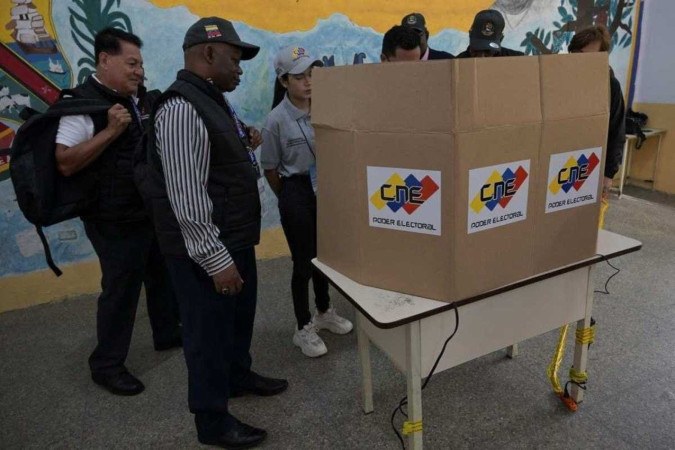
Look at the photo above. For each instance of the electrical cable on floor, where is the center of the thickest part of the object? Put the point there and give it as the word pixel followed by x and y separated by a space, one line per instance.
pixel 404 401
pixel 617 270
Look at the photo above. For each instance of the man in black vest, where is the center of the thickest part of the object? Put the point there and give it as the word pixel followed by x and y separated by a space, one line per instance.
pixel 416 22
pixel 118 225
pixel 202 182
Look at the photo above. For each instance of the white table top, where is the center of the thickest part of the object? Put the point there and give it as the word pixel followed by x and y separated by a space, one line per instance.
pixel 387 309
pixel 648 133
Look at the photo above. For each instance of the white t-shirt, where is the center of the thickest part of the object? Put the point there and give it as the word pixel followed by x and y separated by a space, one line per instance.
pixel 74 130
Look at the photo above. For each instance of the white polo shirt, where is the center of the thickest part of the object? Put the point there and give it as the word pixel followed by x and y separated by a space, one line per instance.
pixel 288 140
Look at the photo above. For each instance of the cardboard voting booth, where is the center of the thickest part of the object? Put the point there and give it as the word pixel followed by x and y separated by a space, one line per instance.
pixel 446 179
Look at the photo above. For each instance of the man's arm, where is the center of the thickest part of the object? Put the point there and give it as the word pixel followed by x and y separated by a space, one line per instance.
pixel 72 159
pixel 274 180
pixel 184 148
pixel 616 136
pixel 270 155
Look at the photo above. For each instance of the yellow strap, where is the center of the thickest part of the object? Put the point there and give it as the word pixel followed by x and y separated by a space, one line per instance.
pixel 411 427
pixel 554 366
pixel 585 335
pixel 578 377
pixel 604 206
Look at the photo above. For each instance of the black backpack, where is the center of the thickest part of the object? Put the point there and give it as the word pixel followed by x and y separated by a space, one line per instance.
pixel 635 122
pixel 46 197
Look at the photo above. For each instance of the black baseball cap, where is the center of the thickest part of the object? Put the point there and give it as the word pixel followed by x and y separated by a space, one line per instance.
pixel 215 29
pixel 487 31
pixel 415 21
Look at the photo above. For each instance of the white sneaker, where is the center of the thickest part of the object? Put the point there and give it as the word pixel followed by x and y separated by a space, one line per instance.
pixel 332 322
pixel 309 342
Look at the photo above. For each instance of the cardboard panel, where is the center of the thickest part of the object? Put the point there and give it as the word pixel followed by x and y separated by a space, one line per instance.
pixel 568 232
pixel 574 85
pixel 384 97
pixel 497 92
pixel 499 248
pixel 405 258
pixel 337 218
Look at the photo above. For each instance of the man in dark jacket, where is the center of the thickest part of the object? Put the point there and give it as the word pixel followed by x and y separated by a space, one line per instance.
pixel 597 39
pixel 203 185
pixel 118 225
pixel 417 22
pixel 486 35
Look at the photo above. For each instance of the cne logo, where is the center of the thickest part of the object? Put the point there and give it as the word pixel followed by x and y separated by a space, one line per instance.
pixel 498 189
pixel 407 194
pixel 298 52
pixel 573 174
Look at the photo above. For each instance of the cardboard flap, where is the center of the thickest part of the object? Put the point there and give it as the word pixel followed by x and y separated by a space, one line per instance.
pixel 395 97
pixel 494 92
pixel 574 85
pixel 339 186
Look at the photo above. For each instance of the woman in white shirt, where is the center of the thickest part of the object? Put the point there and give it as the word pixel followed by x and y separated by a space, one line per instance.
pixel 289 160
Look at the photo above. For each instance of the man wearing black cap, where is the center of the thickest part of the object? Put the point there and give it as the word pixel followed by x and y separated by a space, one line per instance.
pixel 202 186
pixel 486 35
pixel 416 22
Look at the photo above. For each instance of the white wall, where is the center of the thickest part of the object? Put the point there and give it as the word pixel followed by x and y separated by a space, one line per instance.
pixel 655 79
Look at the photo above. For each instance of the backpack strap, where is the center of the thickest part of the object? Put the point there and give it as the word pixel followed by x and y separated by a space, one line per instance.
pixel 48 253
pixel 73 106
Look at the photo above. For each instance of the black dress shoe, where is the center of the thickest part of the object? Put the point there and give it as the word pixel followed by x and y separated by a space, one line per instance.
pixel 238 435
pixel 120 383
pixel 258 385
pixel 176 342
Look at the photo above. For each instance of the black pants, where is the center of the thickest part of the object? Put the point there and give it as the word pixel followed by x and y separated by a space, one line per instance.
pixel 297 208
pixel 217 331
pixel 129 256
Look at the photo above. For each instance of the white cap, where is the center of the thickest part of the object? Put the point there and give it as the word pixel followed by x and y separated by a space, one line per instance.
pixel 293 60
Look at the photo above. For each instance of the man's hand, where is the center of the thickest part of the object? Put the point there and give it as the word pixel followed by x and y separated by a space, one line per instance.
pixel 255 137
pixel 228 281
pixel 606 186
pixel 118 119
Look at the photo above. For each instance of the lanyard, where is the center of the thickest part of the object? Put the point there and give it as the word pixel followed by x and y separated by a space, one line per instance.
pixel 243 137
pixel 137 113
pixel 309 146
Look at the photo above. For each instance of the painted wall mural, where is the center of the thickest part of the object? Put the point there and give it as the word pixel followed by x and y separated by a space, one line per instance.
pixel 47 45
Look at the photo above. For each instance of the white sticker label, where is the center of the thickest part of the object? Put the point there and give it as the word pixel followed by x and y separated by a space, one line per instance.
pixel 498 195
pixel 573 179
pixel 404 199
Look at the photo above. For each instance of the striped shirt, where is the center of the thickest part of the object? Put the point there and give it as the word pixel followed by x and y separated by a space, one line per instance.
pixel 184 147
